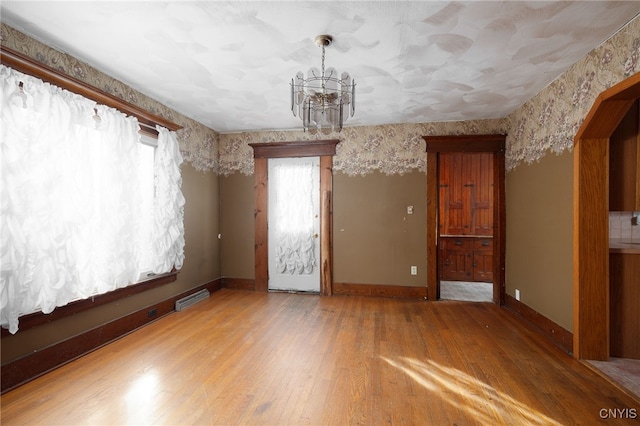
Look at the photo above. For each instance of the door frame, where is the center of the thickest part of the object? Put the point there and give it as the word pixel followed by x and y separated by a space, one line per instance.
pixel 466 143
pixel 325 149
pixel 591 219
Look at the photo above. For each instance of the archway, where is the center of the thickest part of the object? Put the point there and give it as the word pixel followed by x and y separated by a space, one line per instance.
pixel 591 219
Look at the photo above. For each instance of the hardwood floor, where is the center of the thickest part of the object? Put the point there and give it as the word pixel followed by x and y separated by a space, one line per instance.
pixel 243 357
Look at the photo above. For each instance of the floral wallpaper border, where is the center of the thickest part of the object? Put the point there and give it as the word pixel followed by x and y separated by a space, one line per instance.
pixel 390 149
pixel 546 123
pixel 550 120
pixel 198 143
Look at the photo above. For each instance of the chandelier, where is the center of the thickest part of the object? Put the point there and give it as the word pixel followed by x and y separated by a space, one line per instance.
pixel 322 100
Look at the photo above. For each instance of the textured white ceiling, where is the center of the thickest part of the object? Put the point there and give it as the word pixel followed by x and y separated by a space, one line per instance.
pixel 229 64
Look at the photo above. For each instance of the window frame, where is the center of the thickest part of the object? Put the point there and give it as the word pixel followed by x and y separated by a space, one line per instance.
pixel 147 121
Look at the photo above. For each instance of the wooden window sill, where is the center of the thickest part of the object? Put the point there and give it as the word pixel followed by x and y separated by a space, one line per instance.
pixel 38 318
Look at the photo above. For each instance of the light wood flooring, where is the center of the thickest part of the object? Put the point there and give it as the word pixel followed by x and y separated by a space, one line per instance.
pixel 243 357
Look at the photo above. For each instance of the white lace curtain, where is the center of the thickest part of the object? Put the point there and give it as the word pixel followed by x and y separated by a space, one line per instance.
pixel 295 243
pixel 69 199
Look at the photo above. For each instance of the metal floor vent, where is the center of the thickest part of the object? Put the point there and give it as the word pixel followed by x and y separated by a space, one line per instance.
pixel 192 299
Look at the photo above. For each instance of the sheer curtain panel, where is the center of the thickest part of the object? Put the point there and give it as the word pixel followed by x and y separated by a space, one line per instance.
pixel 295 241
pixel 168 229
pixel 70 198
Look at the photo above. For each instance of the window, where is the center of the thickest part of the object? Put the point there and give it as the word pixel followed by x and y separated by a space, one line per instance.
pixel 88 205
pixel 147 155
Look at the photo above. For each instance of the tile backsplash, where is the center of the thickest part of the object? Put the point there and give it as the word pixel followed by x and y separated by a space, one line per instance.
pixel 620 226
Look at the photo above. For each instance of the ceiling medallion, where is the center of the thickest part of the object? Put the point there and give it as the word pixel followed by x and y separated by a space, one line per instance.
pixel 322 100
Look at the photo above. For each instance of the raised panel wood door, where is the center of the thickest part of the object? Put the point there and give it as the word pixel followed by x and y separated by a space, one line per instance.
pixel 483 259
pixel 454 195
pixel 481 197
pixel 456 259
pixel 466 194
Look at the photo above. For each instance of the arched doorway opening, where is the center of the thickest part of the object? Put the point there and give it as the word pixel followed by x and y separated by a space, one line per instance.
pixel 591 219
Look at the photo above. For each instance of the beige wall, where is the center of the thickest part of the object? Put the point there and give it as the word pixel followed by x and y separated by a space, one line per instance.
pixel 237 226
pixel 375 240
pixel 539 248
pixel 201 265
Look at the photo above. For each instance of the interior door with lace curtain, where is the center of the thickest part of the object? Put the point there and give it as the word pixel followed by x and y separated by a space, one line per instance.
pixel 294 224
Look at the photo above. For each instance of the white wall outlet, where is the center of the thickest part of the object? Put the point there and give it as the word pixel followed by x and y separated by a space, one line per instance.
pixel 414 270
pixel 517 294
pixel 409 209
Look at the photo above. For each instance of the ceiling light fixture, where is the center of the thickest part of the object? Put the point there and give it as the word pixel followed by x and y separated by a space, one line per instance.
pixel 322 100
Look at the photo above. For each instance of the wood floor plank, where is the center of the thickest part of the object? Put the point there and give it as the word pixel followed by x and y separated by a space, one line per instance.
pixel 243 357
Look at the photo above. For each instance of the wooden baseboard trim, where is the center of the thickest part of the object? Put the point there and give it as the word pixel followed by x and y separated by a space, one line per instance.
pixel 345 289
pixel 38 318
pixel 380 290
pixel 239 283
pixel 29 367
pixel 559 336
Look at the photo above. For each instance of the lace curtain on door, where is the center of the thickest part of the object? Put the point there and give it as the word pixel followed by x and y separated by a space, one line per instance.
pixel 295 241
pixel 70 201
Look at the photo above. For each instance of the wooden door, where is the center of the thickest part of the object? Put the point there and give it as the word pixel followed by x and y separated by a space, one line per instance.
pixel 489 207
pixel 454 195
pixel 466 194
pixel 483 260
pixel 481 193
pixel 456 259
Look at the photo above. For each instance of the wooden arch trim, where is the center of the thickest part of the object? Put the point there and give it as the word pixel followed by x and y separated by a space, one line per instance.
pixel 591 216
pixel 325 149
pixel 26 65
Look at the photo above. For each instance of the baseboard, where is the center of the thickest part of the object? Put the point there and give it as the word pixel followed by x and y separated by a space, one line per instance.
pixel 38 319
pixel 380 290
pixel 239 283
pixel 29 367
pixel 559 336
pixel 345 289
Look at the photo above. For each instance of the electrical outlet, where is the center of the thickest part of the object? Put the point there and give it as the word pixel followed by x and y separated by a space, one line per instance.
pixel 517 294
pixel 414 270
pixel 409 209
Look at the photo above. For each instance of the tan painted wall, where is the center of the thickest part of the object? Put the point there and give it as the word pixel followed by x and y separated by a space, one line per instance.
pixel 237 226
pixel 375 240
pixel 201 266
pixel 539 248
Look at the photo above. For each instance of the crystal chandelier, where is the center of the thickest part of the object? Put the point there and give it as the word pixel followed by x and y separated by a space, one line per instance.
pixel 322 100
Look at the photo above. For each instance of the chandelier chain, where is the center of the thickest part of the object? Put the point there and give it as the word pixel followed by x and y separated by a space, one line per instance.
pixel 323 67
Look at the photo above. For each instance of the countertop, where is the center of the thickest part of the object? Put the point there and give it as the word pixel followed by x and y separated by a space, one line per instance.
pixel 624 246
